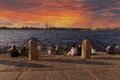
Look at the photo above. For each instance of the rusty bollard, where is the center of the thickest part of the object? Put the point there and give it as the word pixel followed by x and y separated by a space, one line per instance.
pixel 86 49
pixel 33 51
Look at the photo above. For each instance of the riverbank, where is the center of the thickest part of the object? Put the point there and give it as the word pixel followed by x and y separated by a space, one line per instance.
pixel 100 67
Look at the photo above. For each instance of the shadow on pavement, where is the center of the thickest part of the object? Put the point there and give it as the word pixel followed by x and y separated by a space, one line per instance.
pixel 103 58
pixel 23 64
pixel 78 61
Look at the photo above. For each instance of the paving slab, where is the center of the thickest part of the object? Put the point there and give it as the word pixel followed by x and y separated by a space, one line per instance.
pixel 56 75
pixel 9 75
pixel 116 69
pixel 33 75
pixel 80 74
pixel 105 74
pixel 3 67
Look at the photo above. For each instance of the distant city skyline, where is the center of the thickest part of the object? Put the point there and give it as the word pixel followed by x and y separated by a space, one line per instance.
pixel 60 13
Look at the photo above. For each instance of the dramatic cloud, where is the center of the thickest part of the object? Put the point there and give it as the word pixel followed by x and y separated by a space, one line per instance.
pixel 60 13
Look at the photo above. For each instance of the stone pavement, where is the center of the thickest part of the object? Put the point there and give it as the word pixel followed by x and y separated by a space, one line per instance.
pixel 99 67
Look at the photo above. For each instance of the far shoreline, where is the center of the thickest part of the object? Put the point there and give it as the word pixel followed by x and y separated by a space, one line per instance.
pixel 82 29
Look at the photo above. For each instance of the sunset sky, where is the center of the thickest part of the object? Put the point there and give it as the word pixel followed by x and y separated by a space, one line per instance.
pixel 60 13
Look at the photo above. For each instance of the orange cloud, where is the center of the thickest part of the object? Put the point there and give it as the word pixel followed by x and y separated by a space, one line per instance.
pixel 60 13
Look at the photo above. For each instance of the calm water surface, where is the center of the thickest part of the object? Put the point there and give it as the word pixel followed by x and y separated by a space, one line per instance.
pixel 61 37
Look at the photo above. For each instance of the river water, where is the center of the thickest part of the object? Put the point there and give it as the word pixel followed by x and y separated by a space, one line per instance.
pixel 100 39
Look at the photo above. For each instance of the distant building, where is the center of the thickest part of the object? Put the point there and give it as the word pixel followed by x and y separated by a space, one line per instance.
pixel 46 25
